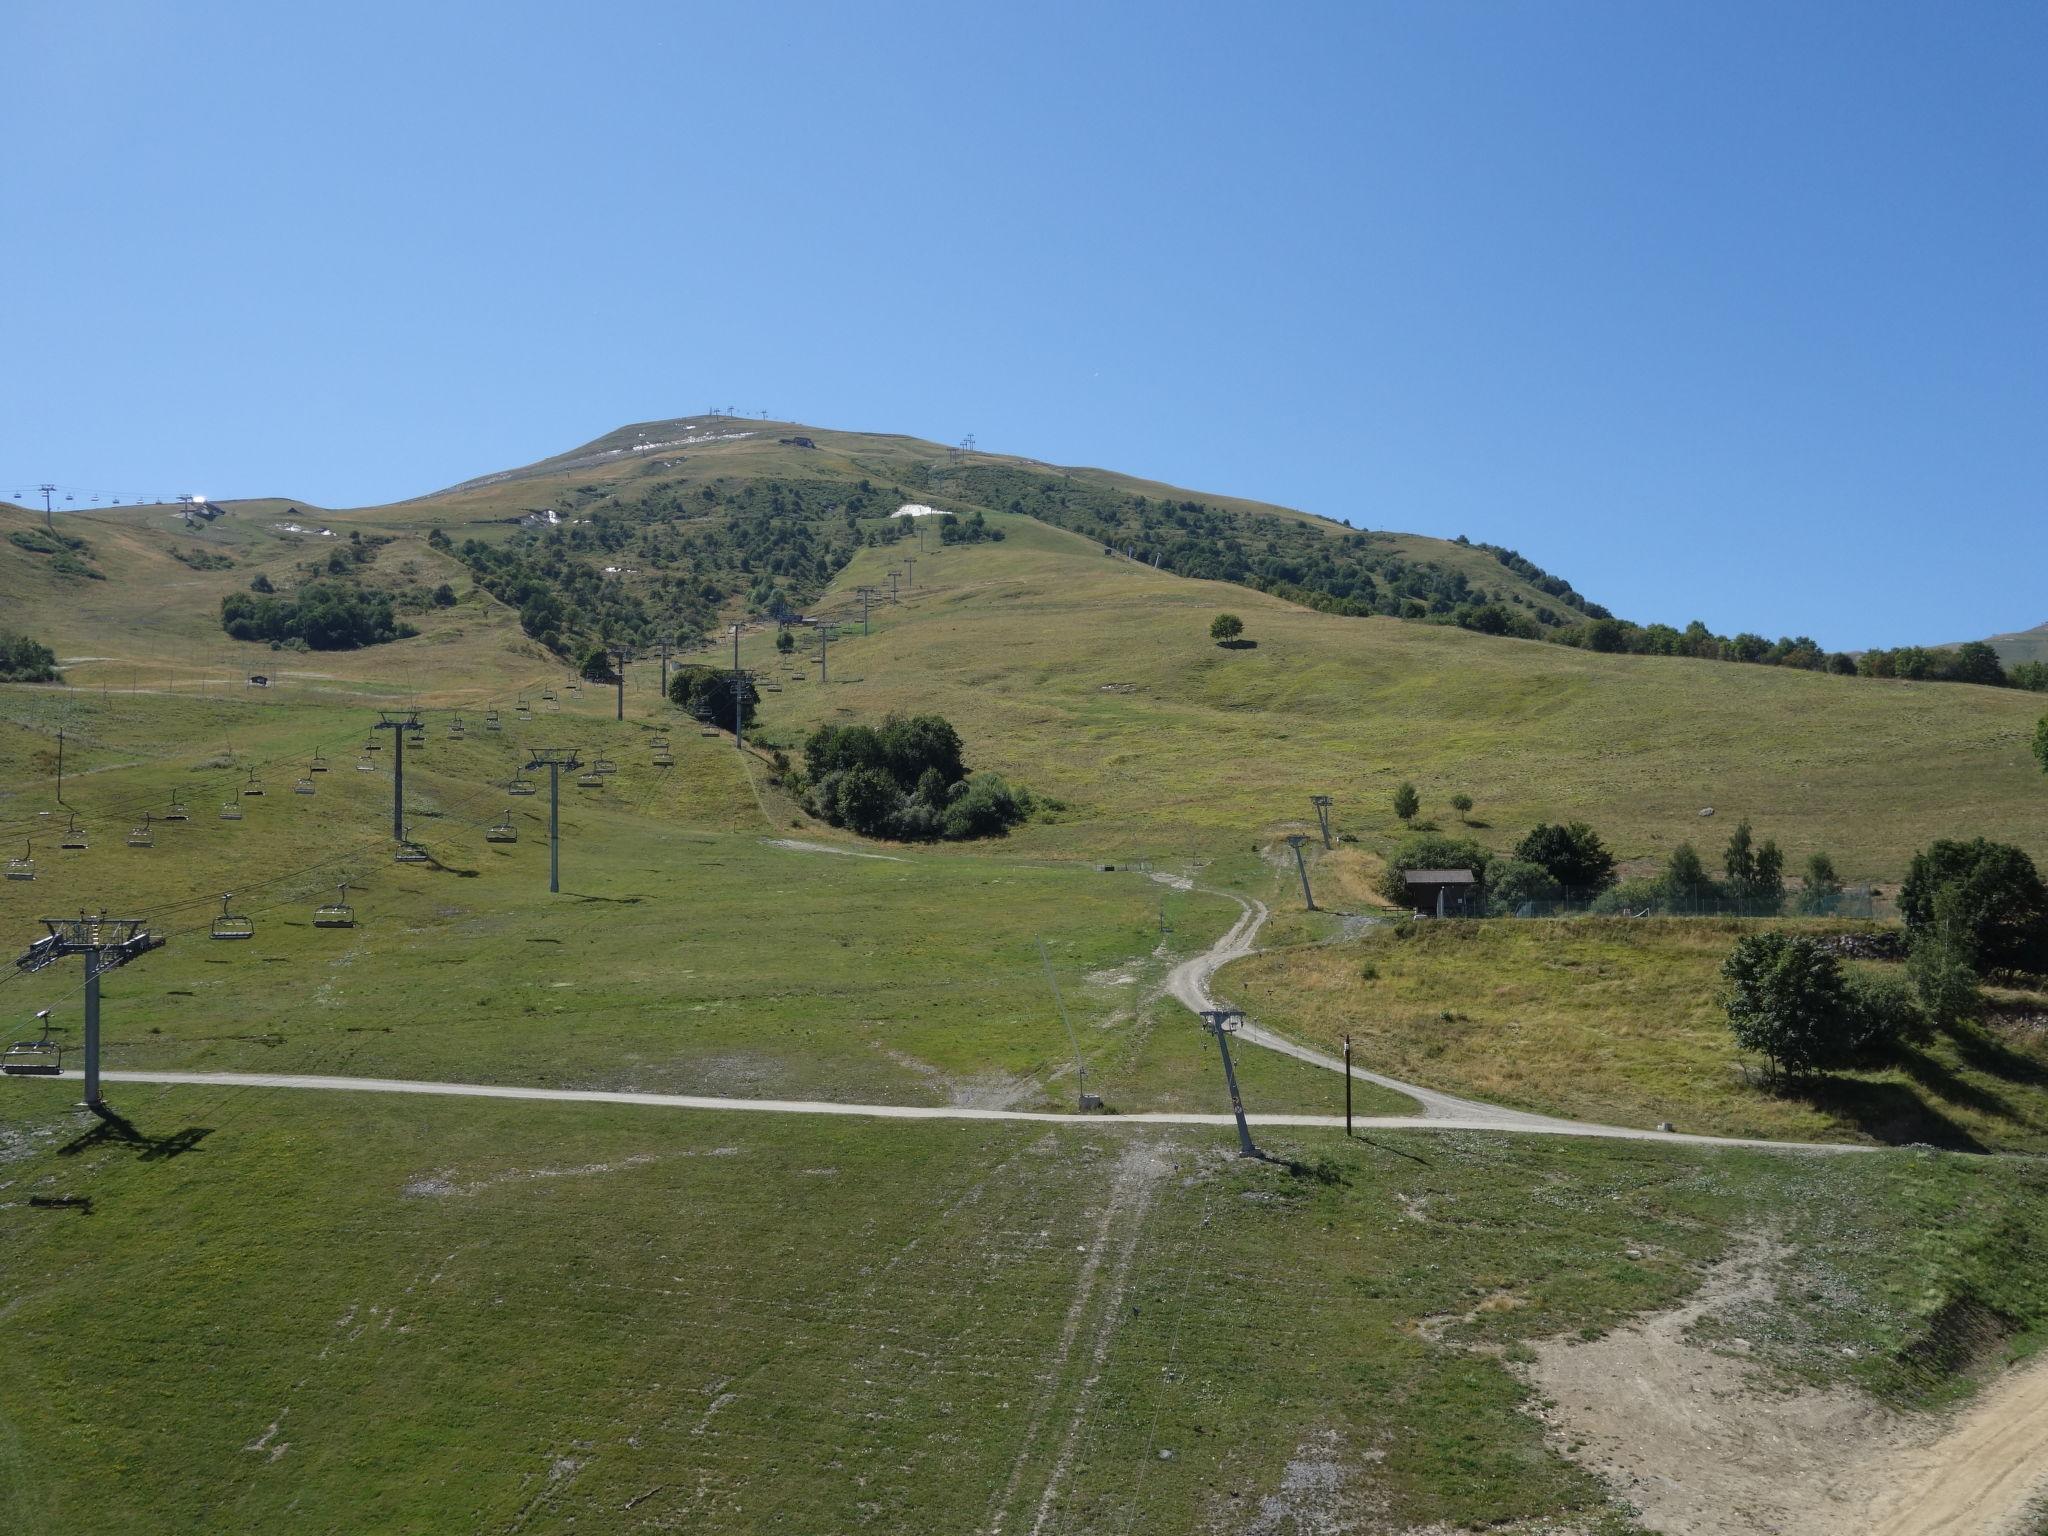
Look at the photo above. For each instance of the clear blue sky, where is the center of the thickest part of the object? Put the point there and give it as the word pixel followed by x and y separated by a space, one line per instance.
pixel 1721 310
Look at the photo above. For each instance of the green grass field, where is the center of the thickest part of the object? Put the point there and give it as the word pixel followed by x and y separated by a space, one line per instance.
pixel 1621 1021
pixel 341 1312
pixel 255 1309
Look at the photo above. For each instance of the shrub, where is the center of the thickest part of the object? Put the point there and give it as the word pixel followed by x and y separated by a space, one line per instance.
pixel 707 693
pixel 1406 802
pixel 1997 903
pixel 785 642
pixel 597 666
pixel 1225 626
pixel 986 806
pixel 328 616
pixel 2041 742
pixel 1787 1000
pixel 1572 853
pixel 1511 882
pixel 1462 804
pixel 444 596
pixel 261 583
pixel 865 800
pixel 1882 1014
pixel 1642 894
pixel 23 660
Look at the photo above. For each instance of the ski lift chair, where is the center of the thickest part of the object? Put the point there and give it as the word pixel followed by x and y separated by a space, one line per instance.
pixel 23 868
pixel 74 835
pixel 520 785
pixel 372 744
pixel 659 743
pixel 318 765
pixel 409 852
pixel 231 924
pixel 491 721
pixel 230 811
pixel 502 832
pixel 663 758
pixel 364 765
pixel 176 812
pixel 337 913
pixel 604 767
pixel 548 696
pixel 143 836
pixel 304 786
pixel 33 1058
pixel 455 729
pixel 254 786
pixel 590 778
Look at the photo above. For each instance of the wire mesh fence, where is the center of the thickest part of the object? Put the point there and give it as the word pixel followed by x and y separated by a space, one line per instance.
pixel 1634 899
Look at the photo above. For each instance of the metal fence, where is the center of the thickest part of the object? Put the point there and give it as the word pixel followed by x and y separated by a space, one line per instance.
pixel 1633 899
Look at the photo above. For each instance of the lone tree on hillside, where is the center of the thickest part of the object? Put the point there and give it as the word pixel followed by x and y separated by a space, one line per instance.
pixel 1788 1001
pixel 597 666
pixel 1462 804
pixel 1407 802
pixel 1225 627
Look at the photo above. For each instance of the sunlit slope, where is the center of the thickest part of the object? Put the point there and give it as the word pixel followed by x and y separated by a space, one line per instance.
pixel 1095 681
pixel 147 618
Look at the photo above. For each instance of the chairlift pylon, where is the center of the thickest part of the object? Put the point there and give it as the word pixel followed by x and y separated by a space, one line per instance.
pixel 231 924
pixel 23 868
pixel 74 835
pixel 336 913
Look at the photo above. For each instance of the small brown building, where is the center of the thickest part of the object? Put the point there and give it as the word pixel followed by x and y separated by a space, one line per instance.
pixel 1444 892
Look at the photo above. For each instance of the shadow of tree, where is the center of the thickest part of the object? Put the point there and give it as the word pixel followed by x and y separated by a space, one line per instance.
pixel 1891 1113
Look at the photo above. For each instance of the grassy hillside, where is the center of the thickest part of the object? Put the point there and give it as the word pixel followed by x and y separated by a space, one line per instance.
pixel 2023 645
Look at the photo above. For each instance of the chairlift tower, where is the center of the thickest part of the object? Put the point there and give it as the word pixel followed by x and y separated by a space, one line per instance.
pixel 867 598
pixel 49 518
pixel 397 722
pixel 1297 841
pixel 107 943
pixel 667 647
pixel 1087 1100
pixel 619 656
pixel 892 586
pixel 555 759
pixel 1223 1023
pixel 1322 804
pixel 824 648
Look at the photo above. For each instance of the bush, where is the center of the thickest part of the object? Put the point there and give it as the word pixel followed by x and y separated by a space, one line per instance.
pixel 2041 743
pixel 1225 626
pixel 444 596
pixel 1645 893
pixel 1462 804
pixel 1756 875
pixel 1572 853
pixel 1788 1001
pixel 1882 1015
pixel 23 660
pixel 597 666
pixel 1511 882
pixel 1996 903
pixel 1406 802
pixel 261 583
pixel 908 779
pixel 707 693
pixel 328 616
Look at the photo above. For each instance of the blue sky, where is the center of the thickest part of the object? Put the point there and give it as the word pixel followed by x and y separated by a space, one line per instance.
pixel 1720 310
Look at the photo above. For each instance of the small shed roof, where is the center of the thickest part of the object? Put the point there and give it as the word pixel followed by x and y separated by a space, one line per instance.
pixel 1440 877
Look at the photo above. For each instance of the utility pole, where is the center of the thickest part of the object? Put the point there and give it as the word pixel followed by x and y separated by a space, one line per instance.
pixel 60 766
pixel 824 641
pixel 910 572
pixel 620 655
pixel 739 696
pixel 667 646
pixel 892 586
pixel 555 759
pixel 107 943
pixel 1322 804
pixel 867 595
pixel 397 723
pixel 1296 841
pixel 1223 1023
pixel 1088 1100
pixel 1347 1087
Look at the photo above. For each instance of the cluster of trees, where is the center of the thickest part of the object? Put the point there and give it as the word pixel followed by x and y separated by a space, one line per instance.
pixel 23 660
pixel 971 529
pixel 1974 662
pixel 321 616
pixel 1971 910
pixel 1357 572
pixel 906 778
pixel 1567 861
pixel 707 693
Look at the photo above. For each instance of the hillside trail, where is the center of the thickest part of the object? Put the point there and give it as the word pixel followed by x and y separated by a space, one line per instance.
pixel 1189 981
pixel 1687 1433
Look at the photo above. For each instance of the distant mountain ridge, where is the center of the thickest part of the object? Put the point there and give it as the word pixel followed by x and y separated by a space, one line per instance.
pixel 2021 645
